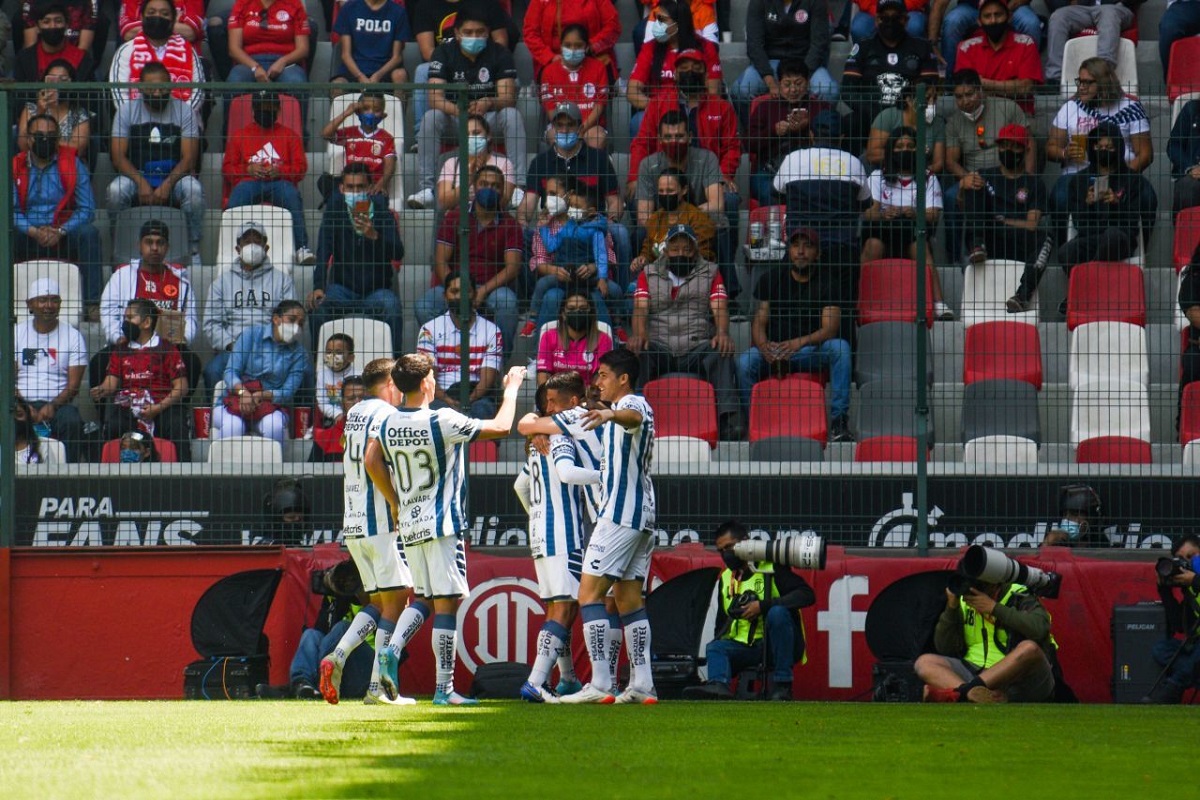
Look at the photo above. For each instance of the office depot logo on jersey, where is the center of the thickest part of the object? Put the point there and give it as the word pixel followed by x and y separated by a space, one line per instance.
pixel 499 621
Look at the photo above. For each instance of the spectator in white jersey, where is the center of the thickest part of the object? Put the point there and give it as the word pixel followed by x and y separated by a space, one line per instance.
pixel 425 450
pixel 549 489
pixel 439 339
pixel 618 554
pixel 369 530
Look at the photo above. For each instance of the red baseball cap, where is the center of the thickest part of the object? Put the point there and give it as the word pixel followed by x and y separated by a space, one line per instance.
pixel 1014 133
pixel 692 53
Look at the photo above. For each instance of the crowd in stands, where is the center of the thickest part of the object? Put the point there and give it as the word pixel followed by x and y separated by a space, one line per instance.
pixel 558 247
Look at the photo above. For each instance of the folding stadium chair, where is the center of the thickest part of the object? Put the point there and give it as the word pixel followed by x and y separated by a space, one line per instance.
pixel 886 448
pixel 888 351
pixel 393 123
pixel 790 408
pixel 245 450
pixel 886 408
pixel 1079 50
pixel 1001 408
pixel 681 449
pixel 1187 236
pixel 888 292
pixel 1113 450
pixel 111 453
pixel 127 229
pixel 987 287
pixel 1000 449
pixel 280 237
pixel 1183 75
pixel 1110 408
pixel 1108 350
pixel 1101 291
pixel 1003 351
pixel 372 337
pixel 683 406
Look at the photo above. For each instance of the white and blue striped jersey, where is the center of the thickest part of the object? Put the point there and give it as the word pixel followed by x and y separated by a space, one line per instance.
pixel 366 513
pixel 588 448
pixel 555 508
pixel 426 450
pixel 627 491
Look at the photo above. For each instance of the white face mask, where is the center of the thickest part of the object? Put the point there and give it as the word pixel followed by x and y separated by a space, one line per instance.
pixel 555 205
pixel 253 254
pixel 288 331
pixel 659 31
pixel 476 144
pixel 336 361
pixel 974 115
pixel 576 214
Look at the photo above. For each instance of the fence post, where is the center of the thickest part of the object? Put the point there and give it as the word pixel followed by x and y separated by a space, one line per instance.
pixel 922 407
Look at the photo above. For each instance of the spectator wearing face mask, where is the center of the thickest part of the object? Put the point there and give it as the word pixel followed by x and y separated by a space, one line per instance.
pixel 545 19
pixel 1007 60
pixel 158 42
pixel 576 76
pixel 479 154
pixel 673 206
pixel 242 296
pixel 47 39
pixel 337 364
pixel 263 374
pixel 137 448
pixel 329 440
pixel 367 142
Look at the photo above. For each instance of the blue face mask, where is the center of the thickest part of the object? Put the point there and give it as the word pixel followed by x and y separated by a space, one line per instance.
pixel 472 45
pixel 131 457
pixel 353 198
pixel 572 57
pixel 1071 528
pixel 487 198
pixel 658 30
pixel 566 140
pixel 369 120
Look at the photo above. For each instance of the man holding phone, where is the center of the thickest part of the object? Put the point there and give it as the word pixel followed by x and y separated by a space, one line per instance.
pixel 356 248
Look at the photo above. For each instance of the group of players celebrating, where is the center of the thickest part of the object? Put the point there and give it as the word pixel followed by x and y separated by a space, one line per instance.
pixel 588 469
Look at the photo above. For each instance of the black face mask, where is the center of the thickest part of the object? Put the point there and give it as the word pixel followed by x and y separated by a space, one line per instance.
pixel 681 265
pixel 732 561
pixel 691 82
pixel 668 202
pixel 265 117
pixel 891 28
pixel 904 162
pixel 1109 159
pixel 157 104
pixel 53 36
pixel 579 320
pixel 43 145
pixel 995 31
pixel 1011 159
pixel 130 331
pixel 157 27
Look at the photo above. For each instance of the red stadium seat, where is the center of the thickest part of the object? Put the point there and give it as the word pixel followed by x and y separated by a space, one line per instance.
pixel 240 116
pixel 487 452
pixel 683 407
pixel 886 448
pixel 1187 234
pixel 1113 450
pixel 1106 291
pixel 1130 33
pixel 1189 414
pixel 792 407
pixel 111 453
pixel 1003 351
pixel 887 292
pixel 1183 76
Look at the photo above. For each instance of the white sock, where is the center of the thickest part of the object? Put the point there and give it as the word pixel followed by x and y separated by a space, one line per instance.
pixel 595 636
pixel 410 621
pixel 566 660
pixel 383 633
pixel 614 644
pixel 445 639
pixel 360 628
pixel 637 645
pixel 543 662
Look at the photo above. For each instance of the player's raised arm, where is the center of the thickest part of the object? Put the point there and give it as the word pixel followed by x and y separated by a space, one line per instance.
pixel 531 425
pixel 627 418
pixel 500 425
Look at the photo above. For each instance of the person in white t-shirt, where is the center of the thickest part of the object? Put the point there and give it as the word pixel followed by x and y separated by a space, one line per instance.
pixel 439 339
pixel 51 357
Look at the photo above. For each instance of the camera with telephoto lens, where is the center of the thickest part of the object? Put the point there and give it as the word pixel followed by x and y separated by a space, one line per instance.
pixel 340 580
pixel 737 606
pixel 805 551
pixel 984 565
pixel 1168 568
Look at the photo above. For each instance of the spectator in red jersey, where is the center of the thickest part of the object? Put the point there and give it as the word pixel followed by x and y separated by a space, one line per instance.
pixel 576 76
pixel 268 43
pixel 158 42
pixel 147 380
pixel 50 42
pixel 1007 61
pixel 189 24
pixel 80 16
pixel 264 163
pixel 546 21
pixel 366 143
pixel 328 440
pixel 654 71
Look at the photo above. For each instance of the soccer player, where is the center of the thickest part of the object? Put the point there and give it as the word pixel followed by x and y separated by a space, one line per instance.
pixel 548 487
pixel 425 451
pixel 370 535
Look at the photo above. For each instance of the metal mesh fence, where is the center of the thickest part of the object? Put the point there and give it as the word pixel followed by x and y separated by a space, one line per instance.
pixel 804 373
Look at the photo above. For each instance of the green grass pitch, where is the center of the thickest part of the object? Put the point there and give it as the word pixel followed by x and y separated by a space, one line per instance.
pixel 508 749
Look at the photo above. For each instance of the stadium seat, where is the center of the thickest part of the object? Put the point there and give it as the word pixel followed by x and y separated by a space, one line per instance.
pixel 67 276
pixel 1003 351
pixel 1130 33
pixel 485 452
pixel 1000 449
pixel 1183 74
pixel 53 451
pixel 789 407
pixel 786 448
pixel 245 450
pixel 372 338
pixel 987 286
pixel 393 123
pixel 1108 350
pixel 886 409
pixel 127 230
pixel 1189 414
pixel 681 449
pixel 111 453
pixel 278 224
pixel 1000 408
pixel 886 448
pixel 683 406
pixel 1191 454
pixel 1079 50
pixel 1187 236
pixel 887 292
pixel 1111 291
pixel 887 351
pixel 240 114
pixel 1113 450
pixel 1110 408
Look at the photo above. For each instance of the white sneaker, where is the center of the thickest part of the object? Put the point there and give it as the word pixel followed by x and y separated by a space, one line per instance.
pixel 632 695
pixel 589 694
pixel 382 699
pixel 942 312
pixel 422 199
pixel 517 196
pixel 305 257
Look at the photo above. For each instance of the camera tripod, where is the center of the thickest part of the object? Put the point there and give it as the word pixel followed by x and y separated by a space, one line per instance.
pixel 1190 641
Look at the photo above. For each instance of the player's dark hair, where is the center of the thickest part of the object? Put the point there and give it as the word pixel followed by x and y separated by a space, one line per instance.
pixel 734 528
pixel 376 372
pixel 621 362
pixel 569 382
pixel 410 369
pixel 539 398
pixel 342 337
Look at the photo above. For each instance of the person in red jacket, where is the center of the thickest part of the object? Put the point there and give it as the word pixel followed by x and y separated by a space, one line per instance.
pixel 576 76
pixel 264 163
pixel 189 24
pixel 545 21
pixel 330 441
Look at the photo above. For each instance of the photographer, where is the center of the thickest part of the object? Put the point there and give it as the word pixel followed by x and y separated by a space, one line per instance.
pixel 760 611
pixel 1079 506
pixel 995 647
pixel 343 594
pixel 1179 657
